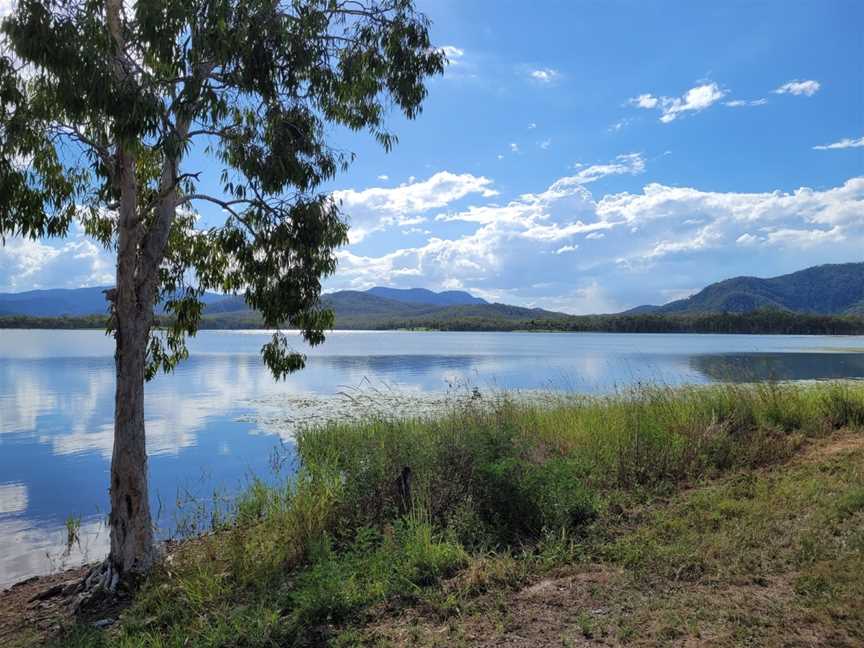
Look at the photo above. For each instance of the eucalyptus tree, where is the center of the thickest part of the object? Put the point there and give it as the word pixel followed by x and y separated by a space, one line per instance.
pixel 123 118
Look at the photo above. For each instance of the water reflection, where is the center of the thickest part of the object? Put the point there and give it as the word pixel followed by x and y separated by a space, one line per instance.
pixel 754 367
pixel 216 420
pixel 13 498
pixel 29 547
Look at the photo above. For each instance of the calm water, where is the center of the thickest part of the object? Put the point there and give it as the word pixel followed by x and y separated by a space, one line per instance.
pixel 219 418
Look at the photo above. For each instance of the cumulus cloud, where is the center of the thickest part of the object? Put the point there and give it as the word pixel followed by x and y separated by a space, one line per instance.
pixel 565 249
pixel 375 208
pixel 696 99
pixel 844 143
pixel 545 75
pixel 645 101
pixel 566 193
pixel 63 263
pixel 796 87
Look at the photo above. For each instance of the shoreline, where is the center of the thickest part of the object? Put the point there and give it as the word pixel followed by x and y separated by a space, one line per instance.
pixel 518 331
pixel 758 322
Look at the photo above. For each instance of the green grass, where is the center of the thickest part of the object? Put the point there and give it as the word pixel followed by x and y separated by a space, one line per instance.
pixel 500 492
pixel 73 531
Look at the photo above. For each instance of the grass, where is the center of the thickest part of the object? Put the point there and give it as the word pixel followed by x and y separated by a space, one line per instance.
pixel 674 497
pixel 73 531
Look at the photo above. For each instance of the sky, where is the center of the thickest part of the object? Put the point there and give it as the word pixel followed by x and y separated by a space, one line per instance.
pixel 593 156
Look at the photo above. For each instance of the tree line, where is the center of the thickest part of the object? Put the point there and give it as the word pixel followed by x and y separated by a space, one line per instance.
pixel 766 321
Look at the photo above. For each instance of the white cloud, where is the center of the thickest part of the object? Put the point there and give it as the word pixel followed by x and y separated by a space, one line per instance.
pixel 376 208
pixel 459 66
pixel 844 143
pixel 796 87
pixel 544 144
pixel 453 53
pixel 742 103
pixel 6 7
pixel 384 177
pixel 696 99
pixel 628 164
pixel 532 126
pixel 545 75
pixel 638 246
pixel 566 248
pixel 61 263
pixel 514 147
pixel 645 101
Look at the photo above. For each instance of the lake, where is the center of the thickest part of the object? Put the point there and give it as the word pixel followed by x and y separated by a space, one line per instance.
pixel 220 418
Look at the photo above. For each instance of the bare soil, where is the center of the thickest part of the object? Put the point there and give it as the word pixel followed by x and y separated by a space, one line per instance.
pixel 36 608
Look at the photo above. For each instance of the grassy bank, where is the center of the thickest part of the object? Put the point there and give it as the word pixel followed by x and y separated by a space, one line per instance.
pixel 659 512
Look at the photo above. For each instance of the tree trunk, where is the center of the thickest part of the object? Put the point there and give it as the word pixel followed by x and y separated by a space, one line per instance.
pixel 132 545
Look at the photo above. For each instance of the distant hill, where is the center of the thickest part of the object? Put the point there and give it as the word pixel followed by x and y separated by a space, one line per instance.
pixel 363 310
pixel 376 302
pixel 642 310
pixel 423 296
pixel 52 303
pixel 828 290
pixel 836 289
pixel 57 302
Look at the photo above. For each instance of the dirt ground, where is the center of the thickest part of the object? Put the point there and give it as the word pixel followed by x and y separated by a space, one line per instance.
pixel 36 607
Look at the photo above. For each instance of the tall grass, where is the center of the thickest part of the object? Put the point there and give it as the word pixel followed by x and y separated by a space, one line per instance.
pixel 381 509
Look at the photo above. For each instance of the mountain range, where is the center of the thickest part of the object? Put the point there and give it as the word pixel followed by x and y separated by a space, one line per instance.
pixel 836 289
pixel 75 302
pixel 820 290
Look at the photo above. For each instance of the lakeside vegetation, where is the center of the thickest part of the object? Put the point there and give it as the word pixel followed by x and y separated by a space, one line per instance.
pixel 464 318
pixel 646 508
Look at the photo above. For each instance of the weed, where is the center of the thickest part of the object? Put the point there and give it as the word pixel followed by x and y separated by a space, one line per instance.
pixel 73 532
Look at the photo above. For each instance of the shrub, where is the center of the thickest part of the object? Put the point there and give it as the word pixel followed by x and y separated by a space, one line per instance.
pixel 843 406
pixel 521 500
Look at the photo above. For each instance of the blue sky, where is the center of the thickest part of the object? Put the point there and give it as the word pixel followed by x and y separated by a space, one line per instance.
pixel 592 156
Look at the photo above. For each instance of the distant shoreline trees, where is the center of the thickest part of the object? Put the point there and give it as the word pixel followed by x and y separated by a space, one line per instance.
pixel 760 322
